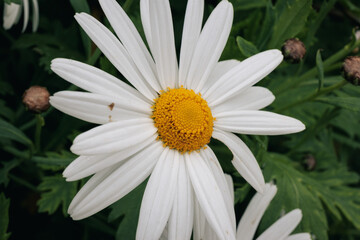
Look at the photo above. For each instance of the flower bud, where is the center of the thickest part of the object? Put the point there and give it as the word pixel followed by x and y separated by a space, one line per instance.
pixel 293 50
pixel 36 99
pixel 351 70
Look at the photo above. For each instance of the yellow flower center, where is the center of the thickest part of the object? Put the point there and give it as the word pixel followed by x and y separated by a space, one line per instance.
pixel 183 119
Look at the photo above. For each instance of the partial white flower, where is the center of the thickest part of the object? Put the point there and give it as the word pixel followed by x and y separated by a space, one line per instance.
pixel 250 220
pixel 162 127
pixel 12 14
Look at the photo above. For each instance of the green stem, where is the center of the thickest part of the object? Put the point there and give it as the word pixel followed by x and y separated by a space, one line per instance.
pixel 39 125
pixel 14 151
pixel 314 95
pixel 23 182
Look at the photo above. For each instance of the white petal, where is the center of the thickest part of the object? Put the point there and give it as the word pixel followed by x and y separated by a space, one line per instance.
pixel 159 196
pixel 99 109
pixel 257 122
pixel 230 184
pixel 220 69
pixel 253 98
pixel 210 45
pixel 84 166
pixel 35 17
pixel 210 158
pixel 11 14
pixel 26 14
pixel 299 236
pixel 244 161
pixel 116 184
pixel 190 35
pixel 130 38
pixel 94 80
pixel 282 227
pixel 145 20
pixel 90 185
pixel 113 137
pixel 254 212
pixel 243 76
pixel 115 52
pixel 182 215
pixel 162 42
pixel 209 195
pixel 202 229
pixel 199 222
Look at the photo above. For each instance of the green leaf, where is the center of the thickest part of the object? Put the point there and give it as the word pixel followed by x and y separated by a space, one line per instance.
pixel 267 26
pixel 320 68
pixel 8 131
pixel 6 168
pixel 57 192
pixel 129 208
pixel 241 193
pixel 350 103
pixel 248 4
pixel 291 19
pixel 313 194
pixel 4 216
pixel 246 48
pixel 54 161
pixel 80 5
pixel 83 6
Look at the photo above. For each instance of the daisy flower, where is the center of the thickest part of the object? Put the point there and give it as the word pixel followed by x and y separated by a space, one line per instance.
pixel 280 230
pixel 12 14
pixel 162 127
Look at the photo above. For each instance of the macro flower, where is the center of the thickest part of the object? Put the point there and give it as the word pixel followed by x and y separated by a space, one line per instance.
pixel 12 14
pixel 280 230
pixel 162 127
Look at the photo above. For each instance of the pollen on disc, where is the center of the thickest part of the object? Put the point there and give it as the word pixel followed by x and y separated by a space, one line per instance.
pixel 183 119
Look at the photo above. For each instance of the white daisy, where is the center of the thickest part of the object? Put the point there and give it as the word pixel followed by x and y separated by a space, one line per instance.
pixel 12 14
pixel 250 220
pixel 162 128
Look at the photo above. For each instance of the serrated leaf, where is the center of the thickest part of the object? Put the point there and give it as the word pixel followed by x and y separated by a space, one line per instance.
pixel 313 194
pixel 4 217
pixel 350 103
pixel 9 131
pixel 54 161
pixel 292 16
pixel 56 192
pixel 129 208
pixel 246 48
pixel 5 169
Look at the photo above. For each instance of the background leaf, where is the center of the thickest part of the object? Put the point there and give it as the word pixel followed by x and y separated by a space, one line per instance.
pixel 4 217
pixel 291 18
pixel 56 192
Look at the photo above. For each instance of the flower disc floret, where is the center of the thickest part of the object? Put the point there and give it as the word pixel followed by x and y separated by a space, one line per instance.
pixel 183 119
